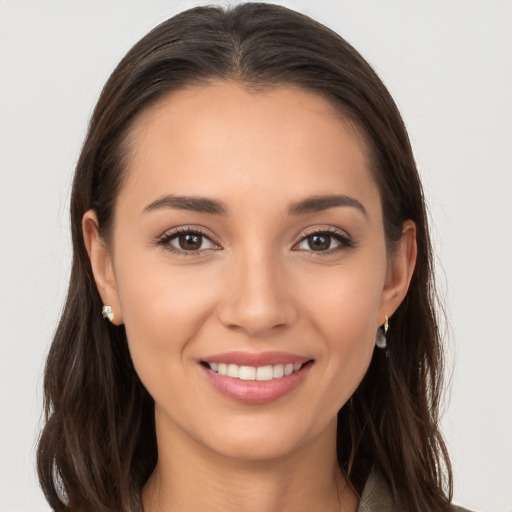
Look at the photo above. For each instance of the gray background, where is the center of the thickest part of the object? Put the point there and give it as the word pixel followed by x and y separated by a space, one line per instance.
pixel 448 65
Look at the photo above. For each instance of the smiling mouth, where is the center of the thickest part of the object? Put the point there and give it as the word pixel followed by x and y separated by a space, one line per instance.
pixel 254 373
pixel 256 378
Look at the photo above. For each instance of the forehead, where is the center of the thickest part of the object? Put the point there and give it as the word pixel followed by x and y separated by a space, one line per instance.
pixel 223 135
pixel 207 106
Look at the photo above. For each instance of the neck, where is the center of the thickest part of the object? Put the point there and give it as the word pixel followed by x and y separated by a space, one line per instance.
pixel 188 476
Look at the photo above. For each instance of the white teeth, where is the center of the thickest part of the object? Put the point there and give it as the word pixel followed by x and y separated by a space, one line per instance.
pixel 264 373
pixel 268 372
pixel 233 371
pixel 278 371
pixel 247 373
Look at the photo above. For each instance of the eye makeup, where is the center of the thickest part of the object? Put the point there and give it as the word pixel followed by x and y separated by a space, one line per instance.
pixel 324 240
pixel 191 241
pixel 187 241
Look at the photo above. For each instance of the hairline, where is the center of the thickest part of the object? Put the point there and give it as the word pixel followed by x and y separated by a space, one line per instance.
pixel 343 116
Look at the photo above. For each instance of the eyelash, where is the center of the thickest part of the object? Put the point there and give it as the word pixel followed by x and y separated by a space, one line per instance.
pixel 342 238
pixel 166 238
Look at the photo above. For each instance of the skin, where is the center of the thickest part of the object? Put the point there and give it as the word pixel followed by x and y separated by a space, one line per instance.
pixel 254 285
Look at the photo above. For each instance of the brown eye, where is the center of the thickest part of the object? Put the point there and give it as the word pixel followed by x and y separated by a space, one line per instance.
pixel 325 241
pixel 319 242
pixel 190 242
pixel 187 242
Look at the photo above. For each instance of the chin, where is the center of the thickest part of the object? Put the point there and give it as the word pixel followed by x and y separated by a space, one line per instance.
pixel 259 440
pixel 254 450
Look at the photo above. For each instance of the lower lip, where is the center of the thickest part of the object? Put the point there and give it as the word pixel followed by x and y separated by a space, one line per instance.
pixel 256 392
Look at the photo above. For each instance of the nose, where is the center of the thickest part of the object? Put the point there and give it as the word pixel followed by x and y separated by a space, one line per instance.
pixel 258 298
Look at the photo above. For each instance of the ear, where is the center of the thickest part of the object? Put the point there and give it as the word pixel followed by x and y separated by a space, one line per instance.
pixel 101 264
pixel 400 270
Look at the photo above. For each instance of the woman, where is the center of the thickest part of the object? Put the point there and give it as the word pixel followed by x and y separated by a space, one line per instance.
pixel 248 223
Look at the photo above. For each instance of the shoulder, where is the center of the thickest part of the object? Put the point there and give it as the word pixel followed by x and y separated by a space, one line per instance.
pixel 377 496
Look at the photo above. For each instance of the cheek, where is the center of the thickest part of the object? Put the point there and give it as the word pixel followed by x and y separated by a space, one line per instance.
pixel 346 303
pixel 351 341
pixel 346 313
pixel 162 309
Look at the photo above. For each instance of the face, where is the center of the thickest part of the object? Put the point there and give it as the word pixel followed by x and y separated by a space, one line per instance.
pixel 248 264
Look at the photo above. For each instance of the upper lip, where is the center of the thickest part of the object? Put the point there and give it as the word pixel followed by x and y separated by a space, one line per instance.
pixel 255 359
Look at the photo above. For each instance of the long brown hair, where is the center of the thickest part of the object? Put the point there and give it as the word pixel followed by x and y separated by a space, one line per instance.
pixel 98 446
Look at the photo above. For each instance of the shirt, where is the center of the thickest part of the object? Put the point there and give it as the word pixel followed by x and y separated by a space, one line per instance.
pixel 377 496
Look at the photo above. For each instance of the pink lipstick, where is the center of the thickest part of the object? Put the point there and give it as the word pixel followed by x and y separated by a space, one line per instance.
pixel 255 378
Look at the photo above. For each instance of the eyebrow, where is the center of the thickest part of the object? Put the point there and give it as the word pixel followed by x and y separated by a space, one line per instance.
pixel 196 204
pixel 205 205
pixel 319 203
